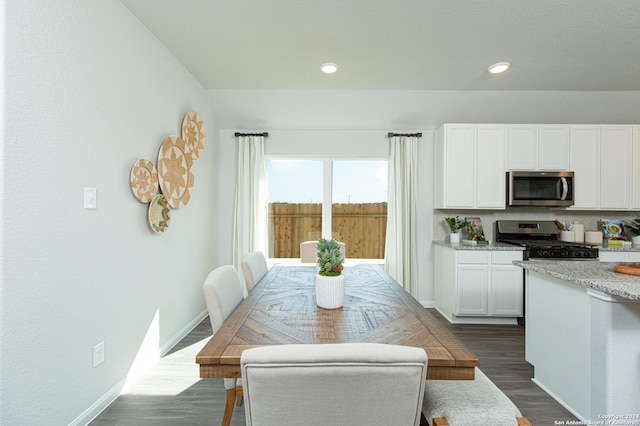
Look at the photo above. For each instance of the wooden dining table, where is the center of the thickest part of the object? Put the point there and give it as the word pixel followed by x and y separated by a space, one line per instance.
pixel 281 309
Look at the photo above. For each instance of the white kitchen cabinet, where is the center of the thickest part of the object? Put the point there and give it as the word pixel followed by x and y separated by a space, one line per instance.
pixel 473 290
pixel 506 290
pixel 615 167
pixel 538 147
pixel 585 164
pixel 491 153
pixel 478 285
pixel 553 147
pixel 470 166
pixel 522 147
pixel 635 184
pixel 601 158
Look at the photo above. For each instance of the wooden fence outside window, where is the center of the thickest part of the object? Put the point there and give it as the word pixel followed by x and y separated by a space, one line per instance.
pixel 362 227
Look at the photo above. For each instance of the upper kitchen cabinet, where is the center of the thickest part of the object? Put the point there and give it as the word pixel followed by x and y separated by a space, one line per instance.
pixel 615 167
pixel 585 164
pixel 635 184
pixel 470 166
pixel 601 158
pixel 538 147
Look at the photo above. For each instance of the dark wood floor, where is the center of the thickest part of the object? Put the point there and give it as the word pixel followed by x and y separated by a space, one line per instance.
pixel 172 393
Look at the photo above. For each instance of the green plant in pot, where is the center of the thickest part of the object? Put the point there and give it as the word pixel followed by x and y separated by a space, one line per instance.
pixel 455 225
pixel 475 234
pixel 330 286
pixel 330 258
pixel 633 226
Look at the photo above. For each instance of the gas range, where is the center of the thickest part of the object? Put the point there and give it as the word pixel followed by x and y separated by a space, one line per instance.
pixel 540 240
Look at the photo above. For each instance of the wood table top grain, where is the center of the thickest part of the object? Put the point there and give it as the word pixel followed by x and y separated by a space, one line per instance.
pixel 282 309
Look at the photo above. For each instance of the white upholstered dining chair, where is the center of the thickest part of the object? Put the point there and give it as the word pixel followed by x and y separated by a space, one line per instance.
pixel 309 252
pixel 333 384
pixel 223 293
pixel 254 267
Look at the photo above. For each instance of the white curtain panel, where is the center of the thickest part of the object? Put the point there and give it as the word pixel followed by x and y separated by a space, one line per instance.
pixel 250 225
pixel 400 251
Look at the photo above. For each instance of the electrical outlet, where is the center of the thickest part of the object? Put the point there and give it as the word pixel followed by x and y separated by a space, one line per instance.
pixel 98 354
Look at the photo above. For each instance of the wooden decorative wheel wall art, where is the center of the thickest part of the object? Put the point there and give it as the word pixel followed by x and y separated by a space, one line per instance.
pixel 193 134
pixel 144 180
pixel 174 172
pixel 159 214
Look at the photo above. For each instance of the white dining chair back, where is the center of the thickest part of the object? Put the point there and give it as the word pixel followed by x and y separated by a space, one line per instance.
pixel 223 293
pixel 333 384
pixel 254 267
pixel 309 251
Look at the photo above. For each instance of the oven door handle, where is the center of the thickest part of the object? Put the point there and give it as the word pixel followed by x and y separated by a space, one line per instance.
pixel 565 188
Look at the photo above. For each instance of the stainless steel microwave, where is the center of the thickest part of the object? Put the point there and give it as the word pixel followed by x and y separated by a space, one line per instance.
pixel 548 189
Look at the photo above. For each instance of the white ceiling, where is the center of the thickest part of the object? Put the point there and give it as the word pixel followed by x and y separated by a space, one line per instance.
pixel 569 45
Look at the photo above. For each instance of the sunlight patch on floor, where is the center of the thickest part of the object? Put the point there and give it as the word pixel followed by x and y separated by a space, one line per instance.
pixel 171 375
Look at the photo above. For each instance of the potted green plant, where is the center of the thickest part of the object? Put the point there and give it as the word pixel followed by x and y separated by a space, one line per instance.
pixel 455 225
pixel 474 234
pixel 330 258
pixel 330 287
pixel 633 225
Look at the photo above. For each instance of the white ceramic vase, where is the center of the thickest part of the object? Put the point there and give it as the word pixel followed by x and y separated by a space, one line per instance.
pixel 330 291
pixel 454 238
pixel 635 240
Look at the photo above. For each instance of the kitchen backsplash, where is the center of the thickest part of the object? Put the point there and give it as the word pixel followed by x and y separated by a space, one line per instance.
pixel 488 217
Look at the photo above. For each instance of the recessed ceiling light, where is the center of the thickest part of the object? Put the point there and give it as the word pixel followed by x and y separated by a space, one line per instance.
pixel 329 68
pixel 499 67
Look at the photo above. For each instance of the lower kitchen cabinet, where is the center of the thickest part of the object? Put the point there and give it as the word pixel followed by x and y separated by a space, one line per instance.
pixel 478 286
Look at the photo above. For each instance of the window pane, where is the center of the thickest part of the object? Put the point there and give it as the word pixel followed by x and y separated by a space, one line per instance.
pixel 295 205
pixel 359 209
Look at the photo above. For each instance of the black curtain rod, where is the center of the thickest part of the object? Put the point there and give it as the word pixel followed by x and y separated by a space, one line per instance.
pixel 265 134
pixel 417 135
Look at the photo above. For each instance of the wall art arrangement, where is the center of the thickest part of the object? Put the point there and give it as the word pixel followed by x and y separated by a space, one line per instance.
pixel 168 186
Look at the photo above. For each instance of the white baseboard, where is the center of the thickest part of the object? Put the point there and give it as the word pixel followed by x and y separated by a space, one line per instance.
pixel 99 406
pixel 428 303
pixel 484 320
pixel 454 319
pixel 559 400
pixel 107 399
pixel 183 333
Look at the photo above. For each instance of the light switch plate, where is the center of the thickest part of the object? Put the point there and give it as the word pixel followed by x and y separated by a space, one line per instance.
pixel 90 198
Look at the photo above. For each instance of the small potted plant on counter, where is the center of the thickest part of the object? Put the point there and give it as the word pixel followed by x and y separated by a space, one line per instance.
pixel 475 234
pixel 633 225
pixel 455 225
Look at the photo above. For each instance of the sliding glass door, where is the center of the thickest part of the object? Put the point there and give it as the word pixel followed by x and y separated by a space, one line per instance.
pixel 334 198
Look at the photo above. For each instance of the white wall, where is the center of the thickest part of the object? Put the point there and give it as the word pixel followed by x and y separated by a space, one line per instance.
pixel 392 110
pixel 88 92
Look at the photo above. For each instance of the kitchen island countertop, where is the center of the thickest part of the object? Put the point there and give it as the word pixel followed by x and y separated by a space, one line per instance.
pixel 591 274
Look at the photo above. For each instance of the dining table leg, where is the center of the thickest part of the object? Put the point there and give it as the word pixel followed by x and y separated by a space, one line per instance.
pixel 228 407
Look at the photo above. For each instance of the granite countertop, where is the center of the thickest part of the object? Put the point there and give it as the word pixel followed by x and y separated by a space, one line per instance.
pixel 623 249
pixel 591 274
pixel 490 246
